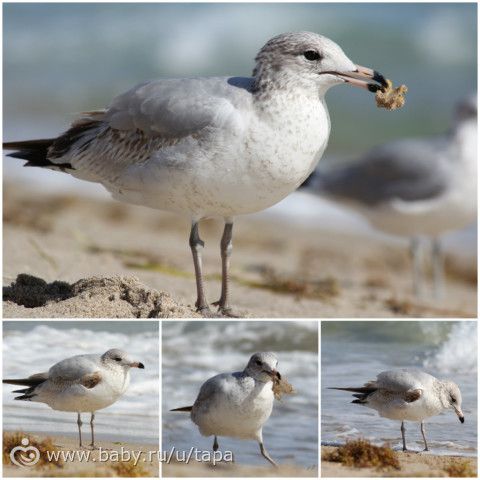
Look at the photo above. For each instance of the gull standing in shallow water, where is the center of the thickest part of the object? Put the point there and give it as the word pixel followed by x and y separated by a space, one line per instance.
pixel 408 394
pixel 83 383
pixel 237 404
pixel 414 187
pixel 211 147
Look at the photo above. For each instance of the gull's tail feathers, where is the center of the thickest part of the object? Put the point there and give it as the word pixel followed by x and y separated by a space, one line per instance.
pixel 35 152
pixel 42 153
pixel 31 383
pixel 182 409
pixel 360 393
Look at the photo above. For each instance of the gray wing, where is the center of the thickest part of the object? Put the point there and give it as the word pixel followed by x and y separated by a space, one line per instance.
pixel 408 170
pixel 175 108
pixel 74 369
pixel 146 120
pixel 213 389
pixel 403 380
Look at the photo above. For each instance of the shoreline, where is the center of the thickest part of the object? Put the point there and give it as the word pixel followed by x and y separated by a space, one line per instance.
pixel 412 464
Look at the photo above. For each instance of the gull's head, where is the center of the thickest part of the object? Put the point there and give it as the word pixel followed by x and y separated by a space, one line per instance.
pixel 262 366
pixel 453 398
pixel 312 61
pixel 119 358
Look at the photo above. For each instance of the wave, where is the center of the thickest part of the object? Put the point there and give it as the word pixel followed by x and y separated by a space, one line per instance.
pixel 458 352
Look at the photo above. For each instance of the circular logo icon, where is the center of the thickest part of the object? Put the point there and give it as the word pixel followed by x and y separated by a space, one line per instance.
pixel 25 455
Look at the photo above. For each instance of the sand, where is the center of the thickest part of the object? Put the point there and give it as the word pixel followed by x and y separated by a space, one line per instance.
pixel 94 466
pixel 411 465
pixel 70 256
pixel 226 470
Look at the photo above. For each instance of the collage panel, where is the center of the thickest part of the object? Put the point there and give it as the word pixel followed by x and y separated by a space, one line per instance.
pixel 207 177
pixel 240 398
pixel 415 396
pixel 80 398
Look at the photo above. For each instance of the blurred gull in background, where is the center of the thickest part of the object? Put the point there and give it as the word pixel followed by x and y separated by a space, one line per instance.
pixel 414 187
pixel 211 147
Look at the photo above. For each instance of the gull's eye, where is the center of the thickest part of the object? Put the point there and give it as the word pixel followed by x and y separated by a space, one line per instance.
pixel 312 55
pixel 117 359
pixel 453 399
pixel 258 362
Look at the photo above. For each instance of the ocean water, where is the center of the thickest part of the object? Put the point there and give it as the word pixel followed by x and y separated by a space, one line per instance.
pixel 355 352
pixel 192 352
pixel 33 347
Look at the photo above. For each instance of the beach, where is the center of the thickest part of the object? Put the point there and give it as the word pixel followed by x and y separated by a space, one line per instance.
pixel 83 256
pixel 412 464
pixel 104 462
pixel 197 469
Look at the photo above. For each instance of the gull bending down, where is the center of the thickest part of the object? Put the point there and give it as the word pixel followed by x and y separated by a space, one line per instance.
pixel 408 394
pixel 237 404
pixel 83 383
pixel 211 147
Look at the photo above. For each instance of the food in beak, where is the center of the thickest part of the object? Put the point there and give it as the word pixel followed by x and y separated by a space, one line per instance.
pixel 462 419
pixel 281 386
pixel 389 97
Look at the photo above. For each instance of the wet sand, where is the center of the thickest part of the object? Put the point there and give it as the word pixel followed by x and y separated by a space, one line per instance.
pixel 411 465
pixel 123 261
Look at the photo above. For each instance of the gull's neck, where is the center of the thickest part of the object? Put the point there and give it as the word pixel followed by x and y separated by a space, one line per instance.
pixel 441 390
pixel 464 136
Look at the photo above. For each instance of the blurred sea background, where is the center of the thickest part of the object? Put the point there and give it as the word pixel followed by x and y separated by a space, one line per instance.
pixel 34 347
pixel 355 352
pixel 291 434
pixel 62 59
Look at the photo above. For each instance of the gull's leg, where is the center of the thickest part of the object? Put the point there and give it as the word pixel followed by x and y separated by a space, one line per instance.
pixel 92 418
pixel 415 252
pixel 402 429
pixel 422 429
pixel 196 245
pixel 265 454
pixel 226 253
pixel 215 443
pixel 438 268
pixel 79 423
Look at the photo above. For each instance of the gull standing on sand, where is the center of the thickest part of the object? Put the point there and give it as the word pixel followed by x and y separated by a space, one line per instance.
pixel 83 383
pixel 408 394
pixel 237 404
pixel 414 187
pixel 211 147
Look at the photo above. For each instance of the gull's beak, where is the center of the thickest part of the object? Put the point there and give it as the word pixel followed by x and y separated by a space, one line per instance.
pixel 137 365
pixel 459 413
pixel 362 77
pixel 273 373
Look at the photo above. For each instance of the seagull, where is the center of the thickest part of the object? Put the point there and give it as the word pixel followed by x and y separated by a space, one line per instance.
pixel 408 394
pixel 83 383
pixel 237 404
pixel 414 187
pixel 211 147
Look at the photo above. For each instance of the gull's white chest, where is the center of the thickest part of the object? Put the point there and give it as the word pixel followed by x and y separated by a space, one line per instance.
pixel 237 411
